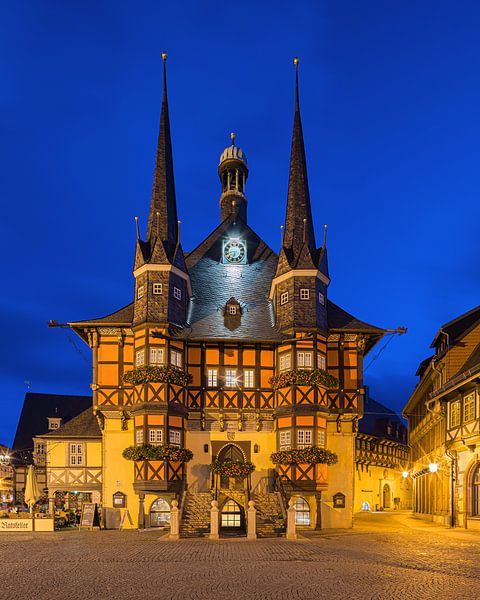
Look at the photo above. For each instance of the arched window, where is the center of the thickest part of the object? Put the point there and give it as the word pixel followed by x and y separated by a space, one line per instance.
pixel 302 515
pixel 231 515
pixel 476 492
pixel 160 513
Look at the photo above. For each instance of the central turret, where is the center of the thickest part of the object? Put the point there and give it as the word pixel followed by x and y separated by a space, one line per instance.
pixel 233 173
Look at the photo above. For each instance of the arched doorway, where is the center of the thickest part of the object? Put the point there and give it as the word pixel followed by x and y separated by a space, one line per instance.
pixel 302 512
pixel 386 496
pixel 227 453
pixel 160 513
pixel 475 491
pixel 232 518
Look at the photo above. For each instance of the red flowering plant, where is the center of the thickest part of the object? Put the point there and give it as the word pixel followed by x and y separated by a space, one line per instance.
pixel 157 374
pixel 163 452
pixel 313 377
pixel 232 468
pixel 312 454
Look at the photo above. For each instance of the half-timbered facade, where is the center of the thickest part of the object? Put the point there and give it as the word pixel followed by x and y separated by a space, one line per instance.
pixel 444 426
pixel 233 352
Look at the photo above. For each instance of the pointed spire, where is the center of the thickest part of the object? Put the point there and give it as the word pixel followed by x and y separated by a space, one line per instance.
pixel 298 223
pixel 162 220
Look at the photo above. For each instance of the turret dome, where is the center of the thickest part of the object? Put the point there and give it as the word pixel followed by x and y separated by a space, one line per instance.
pixel 233 153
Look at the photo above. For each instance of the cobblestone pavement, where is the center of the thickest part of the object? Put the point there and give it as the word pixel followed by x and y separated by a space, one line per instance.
pixel 384 557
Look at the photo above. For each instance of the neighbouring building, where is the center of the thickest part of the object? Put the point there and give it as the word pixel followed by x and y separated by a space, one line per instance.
pixel 6 477
pixel 382 459
pixel 40 413
pixel 443 415
pixel 233 352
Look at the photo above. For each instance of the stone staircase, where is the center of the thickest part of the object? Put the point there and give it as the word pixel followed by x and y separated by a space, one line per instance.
pixel 196 515
pixel 270 519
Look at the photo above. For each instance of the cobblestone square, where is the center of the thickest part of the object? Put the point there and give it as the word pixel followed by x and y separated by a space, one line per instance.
pixel 385 556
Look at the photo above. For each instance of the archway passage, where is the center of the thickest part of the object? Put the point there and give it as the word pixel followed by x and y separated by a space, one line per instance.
pixel 160 513
pixel 475 490
pixel 232 518
pixel 386 496
pixel 231 452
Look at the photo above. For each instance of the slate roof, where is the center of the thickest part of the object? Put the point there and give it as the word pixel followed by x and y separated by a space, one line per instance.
pixel 84 425
pixel 36 410
pixel 458 327
pixel 340 319
pixel 123 316
pixel 377 417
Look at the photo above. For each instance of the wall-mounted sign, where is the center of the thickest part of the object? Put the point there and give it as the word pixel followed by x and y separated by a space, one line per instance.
pixel 339 500
pixel 16 524
pixel 119 500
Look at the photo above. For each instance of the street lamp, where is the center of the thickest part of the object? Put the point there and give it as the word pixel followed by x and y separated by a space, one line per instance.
pixel 405 474
pixel 433 467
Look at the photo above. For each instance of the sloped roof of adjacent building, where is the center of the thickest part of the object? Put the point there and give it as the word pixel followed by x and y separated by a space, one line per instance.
pixel 36 410
pixel 84 425
pixel 458 327
pixel 377 417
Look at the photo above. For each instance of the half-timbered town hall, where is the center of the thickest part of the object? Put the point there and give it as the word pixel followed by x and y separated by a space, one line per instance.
pixel 232 375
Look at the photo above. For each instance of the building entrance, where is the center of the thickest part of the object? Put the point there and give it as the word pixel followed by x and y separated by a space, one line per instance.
pixel 386 496
pixel 232 518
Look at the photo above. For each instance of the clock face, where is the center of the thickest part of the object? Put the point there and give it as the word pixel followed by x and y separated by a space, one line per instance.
pixel 234 252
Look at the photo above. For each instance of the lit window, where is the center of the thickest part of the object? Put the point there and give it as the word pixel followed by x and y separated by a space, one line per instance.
pixel 176 358
pixel 285 440
pixel 302 512
pixel 322 361
pixel 469 407
pixel 283 298
pixel 322 436
pixel 140 291
pixel 304 360
pixel 230 377
pixel 321 298
pixel 140 357
pixel 248 378
pixel 39 448
pixel 455 414
pixel 139 437
pixel 157 288
pixel 155 437
pixel 156 356
pixel 231 515
pixel 177 293
pixel 175 437
pixel 304 294
pixel 75 455
pixel 54 422
pixel 304 438
pixel 285 361
pixel 212 377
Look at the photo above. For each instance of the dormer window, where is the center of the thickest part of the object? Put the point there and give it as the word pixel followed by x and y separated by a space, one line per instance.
pixel 232 307
pixel 232 310
pixel 54 423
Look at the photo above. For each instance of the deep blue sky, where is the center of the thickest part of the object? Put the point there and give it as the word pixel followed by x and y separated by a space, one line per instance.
pixel 390 98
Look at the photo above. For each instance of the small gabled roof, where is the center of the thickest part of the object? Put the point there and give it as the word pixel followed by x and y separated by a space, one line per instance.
pixel 123 316
pixel 458 327
pixel 422 367
pixel 36 410
pixel 84 425
pixel 339 319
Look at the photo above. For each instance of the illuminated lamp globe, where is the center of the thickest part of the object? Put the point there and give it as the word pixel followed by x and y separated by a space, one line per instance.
pixel 405 474
pixel 433 467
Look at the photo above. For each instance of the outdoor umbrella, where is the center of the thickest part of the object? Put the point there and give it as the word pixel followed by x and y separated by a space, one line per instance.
pixel 32 491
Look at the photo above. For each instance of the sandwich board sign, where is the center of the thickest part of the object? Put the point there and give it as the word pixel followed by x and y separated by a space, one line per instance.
pixel 90 516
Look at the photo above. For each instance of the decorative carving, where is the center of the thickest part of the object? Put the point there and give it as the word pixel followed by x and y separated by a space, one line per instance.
pixel 258 421
pixel 221 422
pixel 100 419
pixel 109 330
pixel 361 343
pixel 350 337
pixel 124 416
pixel 203 421
pixel 231 436
pixel 334 337
pixel 240 421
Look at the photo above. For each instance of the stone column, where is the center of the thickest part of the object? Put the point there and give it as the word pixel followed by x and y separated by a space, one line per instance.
pixel 141 511
pixel 318 520
pixel 214 514
pixel 251 521
pixel 174 521
pixel 291 525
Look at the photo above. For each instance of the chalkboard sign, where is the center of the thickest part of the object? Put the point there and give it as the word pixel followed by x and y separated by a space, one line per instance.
pixel 90 517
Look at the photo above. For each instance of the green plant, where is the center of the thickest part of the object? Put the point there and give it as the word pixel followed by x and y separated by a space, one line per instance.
pixel 164 452
pixel 232 468
pixel 157 374
pixel 312 454
pixel 313 377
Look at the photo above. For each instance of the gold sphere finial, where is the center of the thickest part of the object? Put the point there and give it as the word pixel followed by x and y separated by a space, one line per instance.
pixel 164 56
pixel 232 137
pixel 295 61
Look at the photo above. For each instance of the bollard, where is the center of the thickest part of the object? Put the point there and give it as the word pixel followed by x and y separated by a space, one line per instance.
pixel 251 521
pixel 214 513
pixel 291 525
pixel 174 521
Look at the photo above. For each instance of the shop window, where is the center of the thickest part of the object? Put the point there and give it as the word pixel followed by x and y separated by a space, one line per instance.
pixel 139 358
pixel 230 377
pixel 304 438
pixel 469 407
pixel 285 440
pixel 304 360
pixel 212 377
pixel 156 356
pixel 455 414
pixel 155 436
pixel 285 361
pixel 249 378
pixel 176 359
pixel 76 455
pixel 302 512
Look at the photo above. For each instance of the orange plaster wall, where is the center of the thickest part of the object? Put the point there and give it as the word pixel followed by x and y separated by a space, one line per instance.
pixel 175 421
pixel 266 358
pixel 264 378
pixel 212 356
pixel 305 421
pixel 195 372
pixel 139 419
pixel 284 422
pixel 231 356
pixel 249 357
pixel 108 352
pixel 155 420
pixel 194 355
pixel 107 374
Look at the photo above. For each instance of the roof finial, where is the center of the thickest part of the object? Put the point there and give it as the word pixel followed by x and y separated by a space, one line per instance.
pixel 295 62
pixel 164 58
pixel 232 137
pixel 137 228
pixel 325 227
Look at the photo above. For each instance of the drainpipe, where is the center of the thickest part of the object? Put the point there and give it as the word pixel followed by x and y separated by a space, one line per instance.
pixel 453 465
